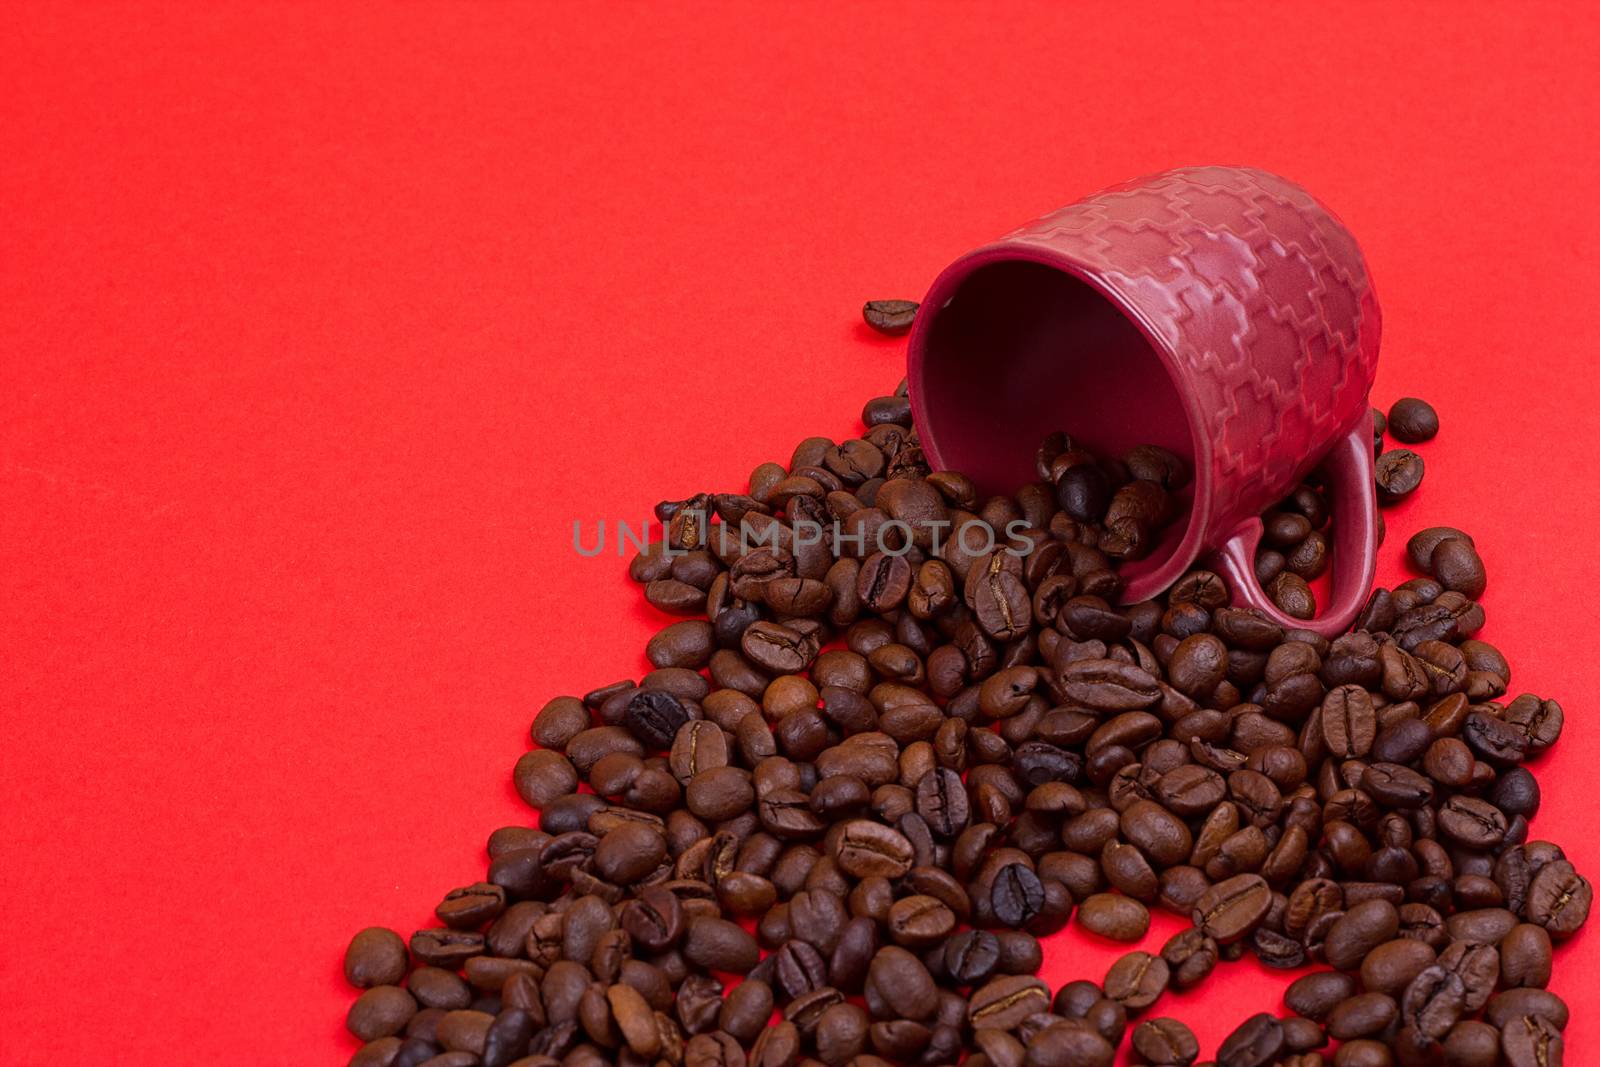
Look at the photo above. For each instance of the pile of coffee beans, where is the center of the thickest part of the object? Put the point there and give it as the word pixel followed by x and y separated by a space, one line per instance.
pixel 902 732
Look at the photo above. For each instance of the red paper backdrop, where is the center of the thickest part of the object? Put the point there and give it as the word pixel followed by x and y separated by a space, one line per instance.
pixel 322 323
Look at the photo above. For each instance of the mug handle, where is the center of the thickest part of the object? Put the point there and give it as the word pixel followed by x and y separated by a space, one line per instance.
pixel 1355 543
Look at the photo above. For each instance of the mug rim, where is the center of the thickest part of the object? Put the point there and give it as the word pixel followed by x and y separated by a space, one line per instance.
pixel 1160 577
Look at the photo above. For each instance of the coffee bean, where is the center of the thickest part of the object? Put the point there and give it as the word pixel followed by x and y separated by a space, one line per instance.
pixel 1398 473
pixel 1390 967
pixel 920 921
pixel 1157 833
pixel 1362 1016
pixel 1412 420
pixel 745 1012
pixel 1004 1002
pixel 1117 918
pixel 1231 909
pixel 446 948
pixel 719 945
pixel 1293 595
pixel 1503 1007
pixel 1433 1002
pixel 1017 894
pixel 1363 1053
pixel 868 849
pixel 1277 950
pixel 1317 995
pixel 1420 547
pixel 1559 899
pixel 1255 1043
pixel 902 984
pixel 1065 1045
pixel 1000 602
pixel 1472 822
pixel 1472 1044
pixel 381 1011
pixel 777 648
pixel 1362 928
pixel 891 317
pixel 1165 1042
pixel 376 957
pixel 1455 562
pixel 942 802
pixel 559 721
pixel 542 776
pixel 655 920
pixel 628 853
pixel 1109 685
pixel 1136 980
pixel 1525 956
pixel 972 956
pixel 1532 1041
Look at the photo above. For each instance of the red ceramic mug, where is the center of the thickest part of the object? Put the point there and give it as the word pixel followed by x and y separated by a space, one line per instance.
pixel 1220 312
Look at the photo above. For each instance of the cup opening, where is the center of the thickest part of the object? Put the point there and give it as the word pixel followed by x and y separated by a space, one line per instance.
pixel 1016 349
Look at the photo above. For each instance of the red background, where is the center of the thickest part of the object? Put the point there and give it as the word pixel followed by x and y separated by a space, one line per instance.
pixel 322 323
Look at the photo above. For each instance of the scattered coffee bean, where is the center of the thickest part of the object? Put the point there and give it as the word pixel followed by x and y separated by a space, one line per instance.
pixel 376 956
pixel 1412 420
pixel 890 316
pixel 1398 473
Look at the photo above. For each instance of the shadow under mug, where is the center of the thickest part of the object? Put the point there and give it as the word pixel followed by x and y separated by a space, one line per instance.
pixel 1220 312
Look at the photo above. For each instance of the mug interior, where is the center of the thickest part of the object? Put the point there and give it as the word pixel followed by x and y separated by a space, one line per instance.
pixel 1016 349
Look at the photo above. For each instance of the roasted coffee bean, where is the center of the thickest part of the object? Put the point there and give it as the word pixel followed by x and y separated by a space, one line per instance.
pixel 1412 420
pixel 1257 1042
pixel 376 957
pixel 1349 722
pixel 655 920
pixel 1136 980
pixel 1532 1041
pixel 1362 928
pixel 446 948
pixel 1525 957
pixel 900 982
pixel 381 1011
pixel 1390 967
pixel 542 776
pixel 1231 909
pixel 1433 1002
pixel 1065 1045
pixel 1363 1053
pixel 1277 950
pixel 1157 833
pixel 1017 895
pixel 1002 1003
pixel 1420 548
pixel 1166 1043
pixel 1398 473
pixel 1472 822
pixel 1538 722
pixel 1191 957
pixel 1512 1003
pixel 942 802
pixel 719 945
pixel 1115 917
pixel 891 317
pixel 1559 899
pixel 972 956
pixel 1317 995
pixel 869 848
